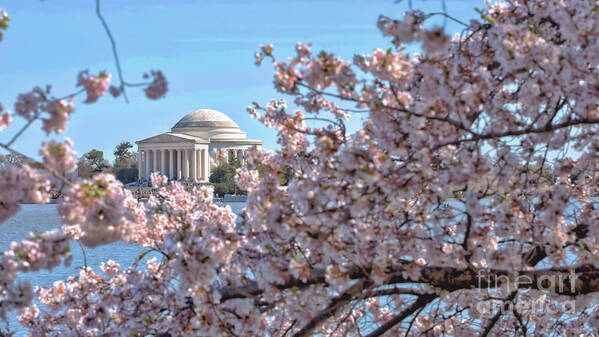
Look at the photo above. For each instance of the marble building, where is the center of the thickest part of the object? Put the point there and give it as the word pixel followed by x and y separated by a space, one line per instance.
pixel 189 150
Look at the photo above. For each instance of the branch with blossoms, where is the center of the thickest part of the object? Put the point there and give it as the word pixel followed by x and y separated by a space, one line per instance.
pixel 26 184
pixel 431 115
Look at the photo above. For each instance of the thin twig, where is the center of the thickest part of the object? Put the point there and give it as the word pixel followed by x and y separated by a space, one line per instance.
pixel 114 52
pixel 521 132
pixel 331 310
pixel 412 321
pixel 14 138
pixel 136 84
pixel 421 302
pixel 495 318
pixel 448 17
pixel 84 255
pixel 289 328
pixel 82 90
pixel 444 5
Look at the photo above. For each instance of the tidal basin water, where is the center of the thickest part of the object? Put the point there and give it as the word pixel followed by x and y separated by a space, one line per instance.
pixel 42 218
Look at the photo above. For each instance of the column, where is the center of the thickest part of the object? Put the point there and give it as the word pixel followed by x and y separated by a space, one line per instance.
pixel 185 164
pixel 240 157
pixel 175 168
pixel 179 172
pixel 207 163
pixel 154 160
pixel 163 163
pixel 146 164
pixel 202 165
pixel 139 165
pixel 199 164
pixel 171 162
pixel 194 166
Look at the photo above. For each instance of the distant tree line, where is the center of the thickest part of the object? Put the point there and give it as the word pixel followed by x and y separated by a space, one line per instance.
pixel 125 170
pixel 124 167
pixel 222 177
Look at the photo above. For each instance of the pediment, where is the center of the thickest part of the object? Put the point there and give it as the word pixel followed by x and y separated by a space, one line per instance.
pixel 170 138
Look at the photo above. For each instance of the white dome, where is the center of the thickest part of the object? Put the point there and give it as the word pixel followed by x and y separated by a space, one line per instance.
pixel 205 118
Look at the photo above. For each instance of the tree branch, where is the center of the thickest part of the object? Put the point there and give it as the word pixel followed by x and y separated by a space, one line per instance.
pixel 495 318
pixel 421 302
pixel 528 130
pixel 579 280
pixel 332 309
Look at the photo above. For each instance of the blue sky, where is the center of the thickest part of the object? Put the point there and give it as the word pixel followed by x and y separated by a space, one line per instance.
pixel 205 49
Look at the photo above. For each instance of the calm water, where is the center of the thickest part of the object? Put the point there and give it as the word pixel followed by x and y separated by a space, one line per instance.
pixel 42 218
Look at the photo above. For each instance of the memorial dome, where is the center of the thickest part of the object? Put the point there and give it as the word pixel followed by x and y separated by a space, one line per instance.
pixel 203 118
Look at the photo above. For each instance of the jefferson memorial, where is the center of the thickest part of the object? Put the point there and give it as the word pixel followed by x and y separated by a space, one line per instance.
pixel 190 149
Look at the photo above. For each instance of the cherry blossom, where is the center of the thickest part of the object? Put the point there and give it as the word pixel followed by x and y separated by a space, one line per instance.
pixel 95 86
pixel 435 41
pixel 158 88
pixel 59 157
pixel 389 66
pixel 403 31
pixel 29 105
pixel 114 91
pixel 59 111
pixel 21 184
pixel 38 103
pixel 95 211
pixel 40 251
pixel 5 119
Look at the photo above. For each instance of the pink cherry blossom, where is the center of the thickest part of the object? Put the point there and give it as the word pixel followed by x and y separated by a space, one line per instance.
pixel 389 66
pixel 59 111
pixel 21 184
pixel 95 86
pixel 435 41
pixel 95 211
pixel 159 86
pixel 403 31
pixel 29 105
pixel 5 119
pixel 258 58
pixel 114 91
pixel 59 157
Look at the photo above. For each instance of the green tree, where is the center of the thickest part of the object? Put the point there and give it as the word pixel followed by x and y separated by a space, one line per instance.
pixel 91 163
pixel 125 169
pixel 222 178
pixel 125 163
pixel 126 174
pixel 285 174
pixel 121 152
pixel 96 160
pixel 84 169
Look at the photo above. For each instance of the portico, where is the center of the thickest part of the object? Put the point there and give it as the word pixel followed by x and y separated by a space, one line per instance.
pixel 189 150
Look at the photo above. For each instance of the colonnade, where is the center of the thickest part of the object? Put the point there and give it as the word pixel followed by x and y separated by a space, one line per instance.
pixel 237 154
pixel 175 163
